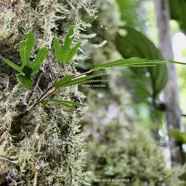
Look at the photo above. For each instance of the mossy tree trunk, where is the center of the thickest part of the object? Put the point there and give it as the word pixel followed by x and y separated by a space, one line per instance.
pixel 42 146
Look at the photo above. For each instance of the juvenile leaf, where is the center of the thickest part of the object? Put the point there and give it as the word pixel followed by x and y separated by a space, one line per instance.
pixel 27 82
pixel 69 104
pixel 13 65
pixel 25 48
pixel 72 52
pixel 41 56
pixel 65 53
pixel 69 38
pixel 58 50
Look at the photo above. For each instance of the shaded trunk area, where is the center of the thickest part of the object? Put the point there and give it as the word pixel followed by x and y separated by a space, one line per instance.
pixel 171 92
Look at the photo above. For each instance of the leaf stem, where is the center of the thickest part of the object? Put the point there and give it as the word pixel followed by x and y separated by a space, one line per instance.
pixel 43 96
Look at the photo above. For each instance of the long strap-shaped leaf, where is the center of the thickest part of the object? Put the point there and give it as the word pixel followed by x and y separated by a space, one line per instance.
pixel 68 104
pixel 71 80
pixel 63 81
pixel 86 79
pixel 13 65
pixel 132 62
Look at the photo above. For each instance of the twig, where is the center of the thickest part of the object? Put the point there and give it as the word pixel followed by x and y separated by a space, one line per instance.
pixel 37 79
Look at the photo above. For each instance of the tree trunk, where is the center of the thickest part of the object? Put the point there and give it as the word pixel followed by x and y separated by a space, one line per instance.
pixel 171 92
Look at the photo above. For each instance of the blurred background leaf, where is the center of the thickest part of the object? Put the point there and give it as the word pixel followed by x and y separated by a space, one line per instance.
pixel 136 44
pixel 177 11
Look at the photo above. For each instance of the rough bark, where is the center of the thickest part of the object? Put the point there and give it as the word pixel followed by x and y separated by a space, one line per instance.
pixel 171 92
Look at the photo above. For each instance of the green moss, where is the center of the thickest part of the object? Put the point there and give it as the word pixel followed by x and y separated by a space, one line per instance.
pixel 128 153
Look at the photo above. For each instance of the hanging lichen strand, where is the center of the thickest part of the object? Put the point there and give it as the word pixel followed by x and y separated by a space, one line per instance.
pixel 44 147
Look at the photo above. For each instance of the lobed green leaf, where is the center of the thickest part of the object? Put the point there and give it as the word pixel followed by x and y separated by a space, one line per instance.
pixel 27 68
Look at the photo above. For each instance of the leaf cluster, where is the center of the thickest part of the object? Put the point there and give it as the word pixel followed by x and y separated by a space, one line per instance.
pixel 64 54
pixel 28 67
pixel 66 50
